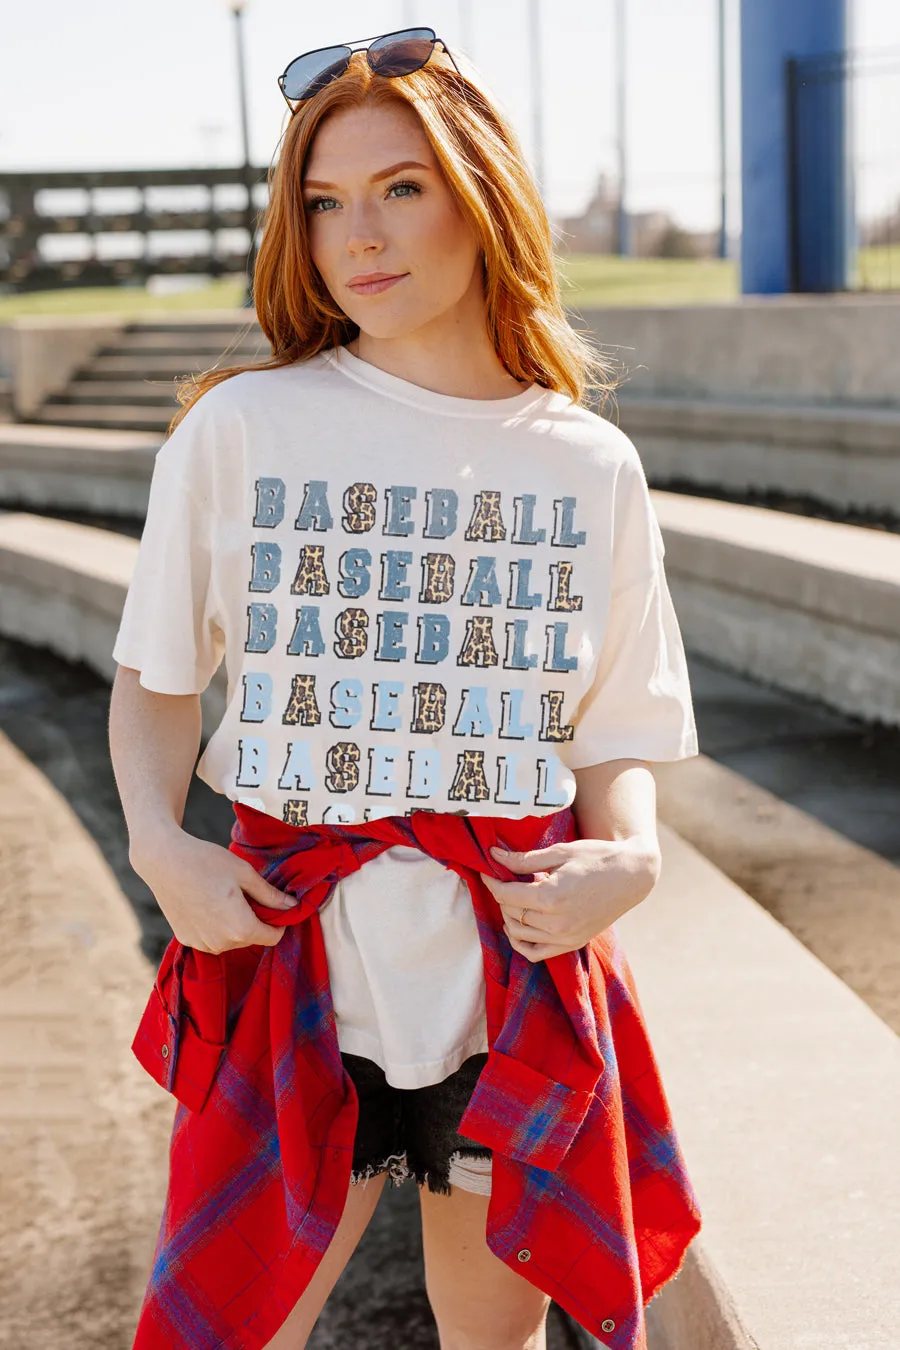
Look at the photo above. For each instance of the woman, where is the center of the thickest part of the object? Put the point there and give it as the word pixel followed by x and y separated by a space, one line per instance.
pixel 438 585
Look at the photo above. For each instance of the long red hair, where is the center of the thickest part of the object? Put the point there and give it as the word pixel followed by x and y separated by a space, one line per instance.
pixel 485 168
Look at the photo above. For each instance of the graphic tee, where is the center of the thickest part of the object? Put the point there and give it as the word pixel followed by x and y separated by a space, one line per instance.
pixel 423 602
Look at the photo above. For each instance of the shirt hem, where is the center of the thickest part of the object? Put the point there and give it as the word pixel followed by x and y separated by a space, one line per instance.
pixel 162 681
pixel 686 748
pixel 353 1042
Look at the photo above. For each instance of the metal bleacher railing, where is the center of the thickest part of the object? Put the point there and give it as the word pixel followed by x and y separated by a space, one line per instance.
pixel 123 225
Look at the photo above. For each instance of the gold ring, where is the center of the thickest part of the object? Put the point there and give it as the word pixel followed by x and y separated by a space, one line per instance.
pixel 524 912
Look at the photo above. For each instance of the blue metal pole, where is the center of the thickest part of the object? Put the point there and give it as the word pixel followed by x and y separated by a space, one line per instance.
pixel 794 146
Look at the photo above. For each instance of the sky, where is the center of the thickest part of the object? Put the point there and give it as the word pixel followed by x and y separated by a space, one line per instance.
pixel 107 84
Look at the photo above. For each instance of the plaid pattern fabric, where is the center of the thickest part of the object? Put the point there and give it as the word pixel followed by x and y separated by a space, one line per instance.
pixel 590 1198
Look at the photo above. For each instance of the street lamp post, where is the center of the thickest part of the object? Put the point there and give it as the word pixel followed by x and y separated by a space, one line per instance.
pixel 237 8
pixel 723 140
pixel 537 97
pixel 621 128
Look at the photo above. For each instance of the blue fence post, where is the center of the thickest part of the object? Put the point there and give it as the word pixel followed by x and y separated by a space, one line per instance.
pixel 796 228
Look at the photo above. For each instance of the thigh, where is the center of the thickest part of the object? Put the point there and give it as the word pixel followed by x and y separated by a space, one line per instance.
pixel 374 1144
pixel 478 1302
pixel 358 1210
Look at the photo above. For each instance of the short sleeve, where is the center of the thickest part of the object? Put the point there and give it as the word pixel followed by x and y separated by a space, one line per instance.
pixel 169 628
pixel 639 705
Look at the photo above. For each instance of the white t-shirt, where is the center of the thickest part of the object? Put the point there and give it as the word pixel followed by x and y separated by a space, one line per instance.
pixel 423 601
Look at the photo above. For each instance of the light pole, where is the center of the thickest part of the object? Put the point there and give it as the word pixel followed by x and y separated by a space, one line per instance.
pixel 237 8
pixel 621 110
pixel 537 101
pixel 723 144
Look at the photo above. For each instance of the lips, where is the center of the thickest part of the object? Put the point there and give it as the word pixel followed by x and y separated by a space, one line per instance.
pixel 373 282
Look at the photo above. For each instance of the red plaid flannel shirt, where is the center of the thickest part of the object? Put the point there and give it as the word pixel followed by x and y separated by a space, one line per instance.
pixel 590 1197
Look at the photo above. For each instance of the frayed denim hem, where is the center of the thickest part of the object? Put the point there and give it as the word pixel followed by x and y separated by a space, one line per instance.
pixel 395 1166
pixel 398 1168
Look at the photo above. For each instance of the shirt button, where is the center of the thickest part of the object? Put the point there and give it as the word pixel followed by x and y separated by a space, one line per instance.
pixel 165 1052
pixel 608 1325
pixel 524 1254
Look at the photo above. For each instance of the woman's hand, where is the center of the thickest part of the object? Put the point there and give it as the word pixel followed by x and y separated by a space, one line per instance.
pixel 579 889
pixel 200 887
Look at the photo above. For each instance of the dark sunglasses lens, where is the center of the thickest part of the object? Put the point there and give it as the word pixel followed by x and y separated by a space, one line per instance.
pixel 402 53
pixel 310 73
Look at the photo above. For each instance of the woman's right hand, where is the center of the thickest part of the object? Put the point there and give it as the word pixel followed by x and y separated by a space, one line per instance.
pixel 200 886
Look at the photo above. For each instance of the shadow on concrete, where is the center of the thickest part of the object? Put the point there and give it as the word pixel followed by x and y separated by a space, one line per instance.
pixel 839 769
pixel 56 713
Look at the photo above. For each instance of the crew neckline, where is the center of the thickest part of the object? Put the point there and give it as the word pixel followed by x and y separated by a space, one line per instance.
pixel 394 386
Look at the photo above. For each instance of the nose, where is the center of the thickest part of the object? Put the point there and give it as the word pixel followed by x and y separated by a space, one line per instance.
pixel 364 234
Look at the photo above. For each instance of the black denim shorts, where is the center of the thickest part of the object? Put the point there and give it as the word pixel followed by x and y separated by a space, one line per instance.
pixel 414 1131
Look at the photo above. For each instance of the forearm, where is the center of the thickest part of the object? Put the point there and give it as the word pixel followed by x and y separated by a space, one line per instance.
pixel 153 740
pixel 617 801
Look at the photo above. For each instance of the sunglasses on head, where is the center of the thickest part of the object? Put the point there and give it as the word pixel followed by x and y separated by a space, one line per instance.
pixel 390 55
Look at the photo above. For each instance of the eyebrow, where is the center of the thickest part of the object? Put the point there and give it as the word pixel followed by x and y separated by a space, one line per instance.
pixel 376 177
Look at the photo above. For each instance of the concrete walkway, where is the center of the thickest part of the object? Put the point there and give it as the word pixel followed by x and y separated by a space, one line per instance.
pixel 82 1137
pixel 786 1090
pixel 800 806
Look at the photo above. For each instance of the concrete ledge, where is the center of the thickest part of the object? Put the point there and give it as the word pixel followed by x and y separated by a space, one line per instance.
pixel 843 456
pixel 63 586
pixel 44 352
pixel 808 605
pixel 798 869
pixel 785 1089
pixel 828 349
pixel 73 469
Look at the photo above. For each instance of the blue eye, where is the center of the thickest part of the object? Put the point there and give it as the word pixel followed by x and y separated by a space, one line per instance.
pixel 403 184
pixel 314 203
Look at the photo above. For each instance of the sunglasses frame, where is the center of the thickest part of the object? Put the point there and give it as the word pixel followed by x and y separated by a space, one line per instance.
pixel 363 45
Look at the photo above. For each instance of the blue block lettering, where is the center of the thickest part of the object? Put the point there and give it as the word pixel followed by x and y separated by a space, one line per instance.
pixel 257 696
pixel 262 627
pixel 269 502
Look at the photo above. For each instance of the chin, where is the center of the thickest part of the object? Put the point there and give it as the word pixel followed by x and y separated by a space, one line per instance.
pixel 384 326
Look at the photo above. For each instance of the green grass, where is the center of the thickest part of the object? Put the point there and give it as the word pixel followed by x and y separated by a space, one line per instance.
pixel 121 300
pixel 589 281
pixel 879 268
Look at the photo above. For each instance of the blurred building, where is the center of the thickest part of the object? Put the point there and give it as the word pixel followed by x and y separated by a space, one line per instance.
pixel 654 234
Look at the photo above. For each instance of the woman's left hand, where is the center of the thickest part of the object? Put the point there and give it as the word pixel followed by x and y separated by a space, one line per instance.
pixel 579 889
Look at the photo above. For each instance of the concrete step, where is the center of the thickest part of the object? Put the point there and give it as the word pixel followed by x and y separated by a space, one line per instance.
pixel 201 350
pixel 811 606
pixel 845 456
pixel 175 340
pixel 156 366
pixel 194 321
pixel 120 416
pixel 119 392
